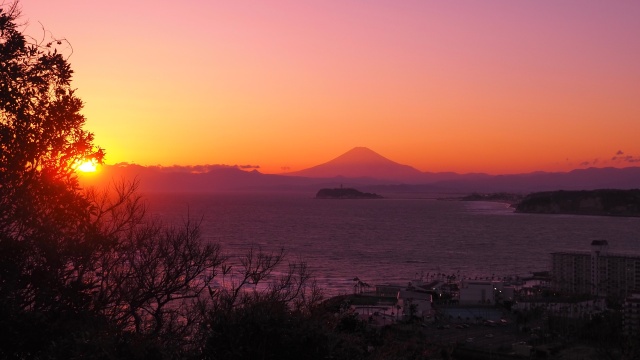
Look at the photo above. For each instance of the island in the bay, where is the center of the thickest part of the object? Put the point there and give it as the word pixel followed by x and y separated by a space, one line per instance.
pixel 607 202
pixel 345 193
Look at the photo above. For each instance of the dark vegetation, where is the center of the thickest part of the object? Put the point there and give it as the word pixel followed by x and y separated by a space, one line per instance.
pixel 610 202
pixel 86 274
pixel 345 193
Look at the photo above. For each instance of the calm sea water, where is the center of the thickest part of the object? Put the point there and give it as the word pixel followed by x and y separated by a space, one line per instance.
pixel 392 240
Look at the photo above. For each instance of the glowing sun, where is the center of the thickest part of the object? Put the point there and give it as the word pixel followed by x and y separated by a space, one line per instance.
pixel 87 166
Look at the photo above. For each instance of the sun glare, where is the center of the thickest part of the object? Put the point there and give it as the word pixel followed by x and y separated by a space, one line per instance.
pixel 87 166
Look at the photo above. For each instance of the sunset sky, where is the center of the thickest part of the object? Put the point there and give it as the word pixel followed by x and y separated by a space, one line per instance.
pixel 465 86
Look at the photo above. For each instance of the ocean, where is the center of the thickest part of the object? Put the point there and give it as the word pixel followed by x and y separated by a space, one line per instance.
pixel 391 240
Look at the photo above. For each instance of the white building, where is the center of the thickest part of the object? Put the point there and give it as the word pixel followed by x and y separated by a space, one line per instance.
pixel 418 303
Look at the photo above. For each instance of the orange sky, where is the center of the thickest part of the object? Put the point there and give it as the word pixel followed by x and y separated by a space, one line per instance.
pixel 465 86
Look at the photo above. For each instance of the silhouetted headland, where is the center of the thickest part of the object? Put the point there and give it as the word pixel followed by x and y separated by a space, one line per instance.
pixel 345 193
pixel 607 202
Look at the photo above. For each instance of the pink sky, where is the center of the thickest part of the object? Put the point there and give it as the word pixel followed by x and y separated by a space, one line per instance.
pixel 465 86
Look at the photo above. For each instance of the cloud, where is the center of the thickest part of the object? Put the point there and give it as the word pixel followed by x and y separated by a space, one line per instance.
pixel 285 168
pixel 590 163
pixel 619 159
pixel 193 169
pixel 631 159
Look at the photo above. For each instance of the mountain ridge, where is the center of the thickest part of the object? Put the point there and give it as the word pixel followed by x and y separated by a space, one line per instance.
pixel 363 168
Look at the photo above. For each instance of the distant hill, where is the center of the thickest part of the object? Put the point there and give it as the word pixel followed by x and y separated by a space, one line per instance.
pixel 579 179
pixel 609 202
pixel 359 168
pixel 214 178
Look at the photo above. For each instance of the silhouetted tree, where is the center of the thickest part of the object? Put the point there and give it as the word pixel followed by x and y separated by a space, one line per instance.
pixel 257 314
pixel 86 274
pixel 46 239
pixel 82 273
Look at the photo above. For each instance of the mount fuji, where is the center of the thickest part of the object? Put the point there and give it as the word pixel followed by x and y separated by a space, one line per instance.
pixel 362 162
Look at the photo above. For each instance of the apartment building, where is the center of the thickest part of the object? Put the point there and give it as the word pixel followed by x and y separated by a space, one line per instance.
pixel 597 272
pixel 631 315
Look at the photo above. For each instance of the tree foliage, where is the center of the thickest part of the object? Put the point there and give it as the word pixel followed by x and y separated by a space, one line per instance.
pixel 85 273
pixel 46 239
pixel 43 217
pixel 41 134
